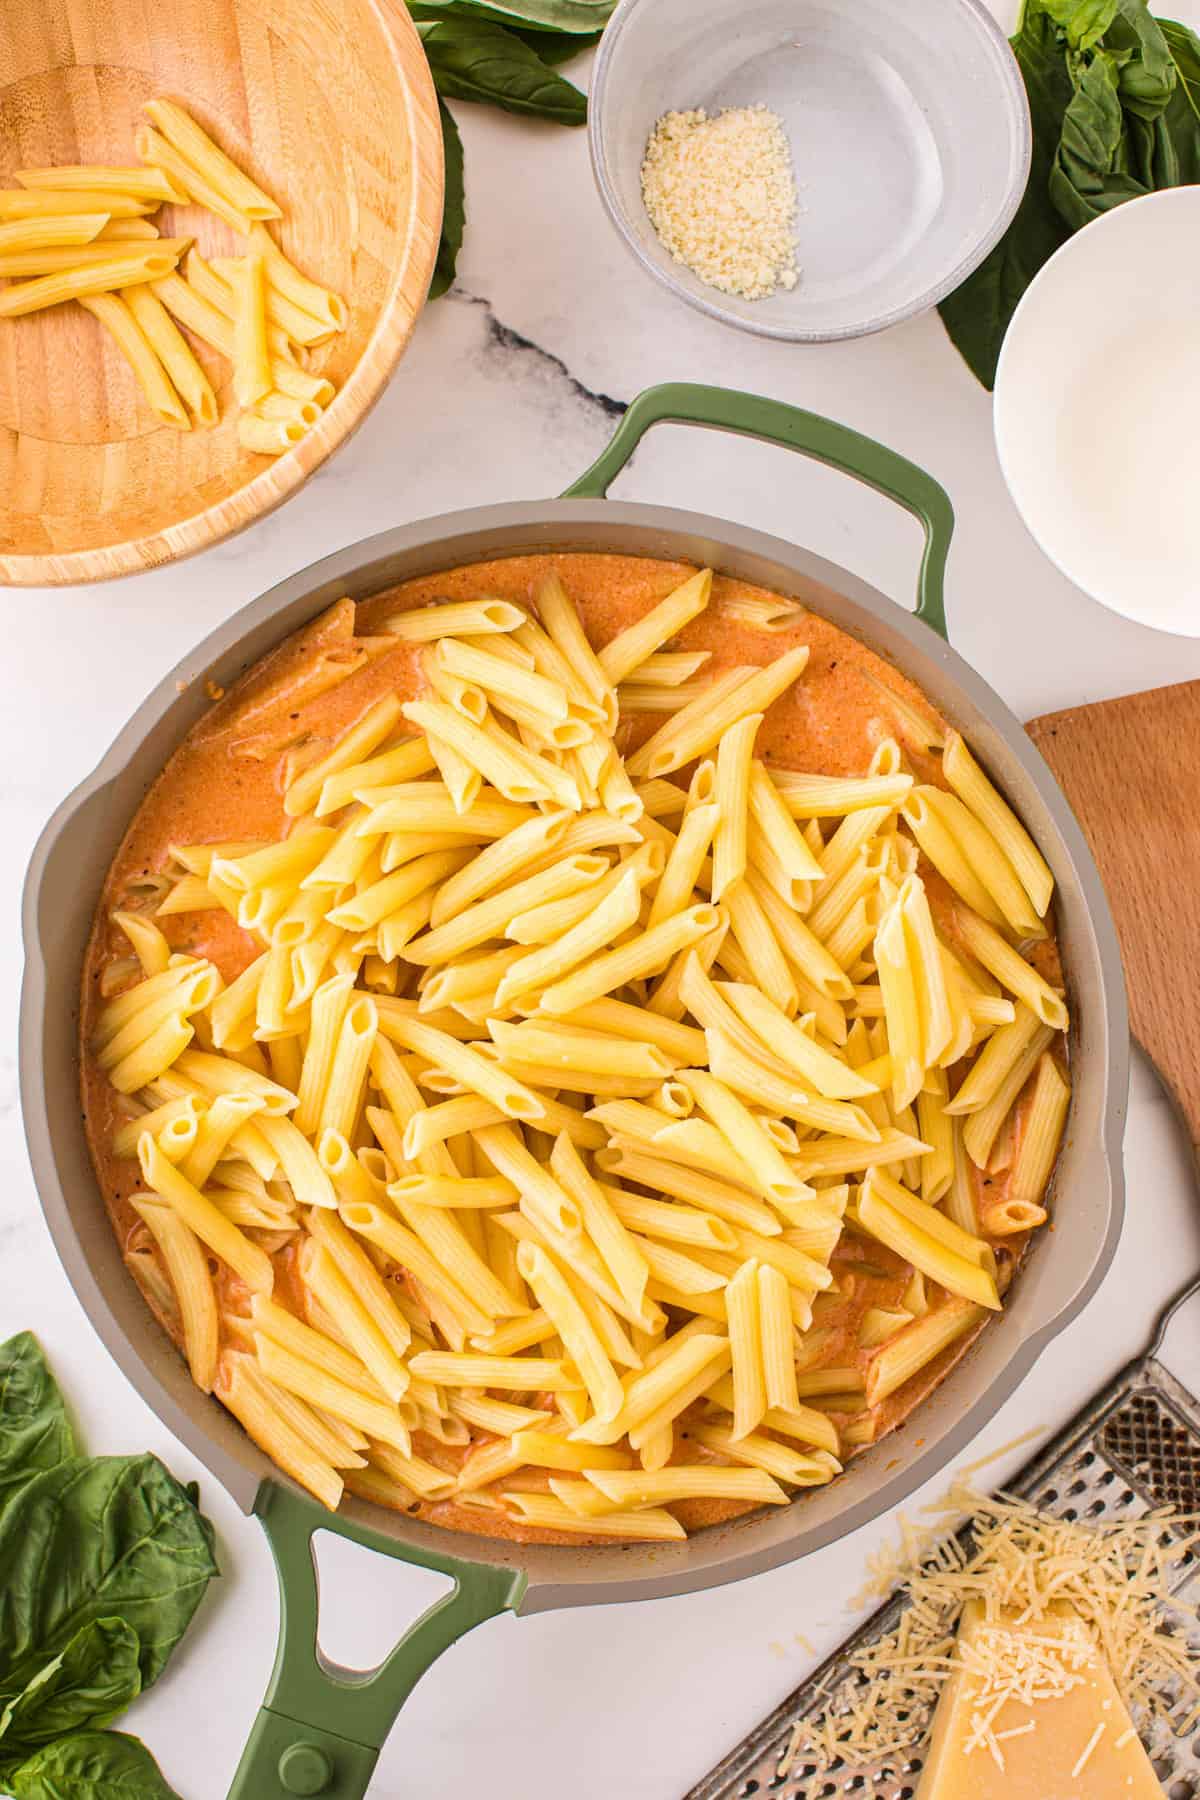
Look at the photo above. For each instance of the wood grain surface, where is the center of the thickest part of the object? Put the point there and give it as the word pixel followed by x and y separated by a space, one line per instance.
pixel 1128 768
pixel 330 105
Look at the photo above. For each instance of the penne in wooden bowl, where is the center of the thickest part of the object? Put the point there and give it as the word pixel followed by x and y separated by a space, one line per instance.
pixel 327 111
pixel 509 1395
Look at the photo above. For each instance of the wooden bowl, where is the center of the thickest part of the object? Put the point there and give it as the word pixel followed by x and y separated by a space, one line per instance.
pixel 332 108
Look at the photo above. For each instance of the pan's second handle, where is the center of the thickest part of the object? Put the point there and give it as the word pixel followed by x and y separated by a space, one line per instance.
pixel 685 403
pixel 320 1728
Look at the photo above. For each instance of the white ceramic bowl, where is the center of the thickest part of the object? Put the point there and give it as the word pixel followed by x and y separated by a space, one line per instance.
pixel 909 131
pixel 1097 411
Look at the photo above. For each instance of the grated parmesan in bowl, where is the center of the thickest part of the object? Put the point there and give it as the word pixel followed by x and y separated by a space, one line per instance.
pixel 721 195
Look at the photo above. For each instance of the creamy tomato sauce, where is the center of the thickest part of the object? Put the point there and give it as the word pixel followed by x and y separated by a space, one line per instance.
pixel 226 782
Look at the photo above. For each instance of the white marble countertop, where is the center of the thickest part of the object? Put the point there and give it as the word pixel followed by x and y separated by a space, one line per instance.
pixel 509 390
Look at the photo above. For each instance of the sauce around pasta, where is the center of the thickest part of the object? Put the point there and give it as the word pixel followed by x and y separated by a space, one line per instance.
pixel 572 1047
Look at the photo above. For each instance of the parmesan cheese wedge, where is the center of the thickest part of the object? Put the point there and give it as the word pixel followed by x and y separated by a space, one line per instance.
pixel 1033 1713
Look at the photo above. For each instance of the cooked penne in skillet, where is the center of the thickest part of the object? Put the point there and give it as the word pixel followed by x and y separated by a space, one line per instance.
pixel 557 1144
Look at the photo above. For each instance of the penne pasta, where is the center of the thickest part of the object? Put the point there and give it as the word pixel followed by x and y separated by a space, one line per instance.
pixel 1042 1134
pixel 251 358
pixel 19 204
pixel 37 237
pixel 735 755
pixel 119 319
pixel 198 1213
pixel 23 297
pixel 251 1400
pixel 202 154
pixel 172 351
pixel 641 1487
pixel 630 648
pixel 191 1284
pixel 986 860
pixel 997 817
pixel 702 725
pixel 1011 970
pixel 933 1255
pixel 645 954
pixel 330 309
pixel 745 1340
pixel 914 1348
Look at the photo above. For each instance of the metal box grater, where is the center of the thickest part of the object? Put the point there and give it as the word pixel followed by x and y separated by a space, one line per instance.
pixel 1135 1447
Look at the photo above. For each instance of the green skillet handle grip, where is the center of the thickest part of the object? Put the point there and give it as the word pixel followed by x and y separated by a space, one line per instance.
pixel 685 403
pixel 320 1728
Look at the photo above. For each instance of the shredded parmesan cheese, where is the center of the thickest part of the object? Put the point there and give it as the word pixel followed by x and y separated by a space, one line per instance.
pixel 1082 1764
pixel 721 196
pixel 1025 1567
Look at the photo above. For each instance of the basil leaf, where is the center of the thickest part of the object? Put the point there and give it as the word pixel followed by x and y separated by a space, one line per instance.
pixel 977 314
pixel 99 1538
pixel 574 16
pixel 35 1432
pixel 454 206
pixel 1147 70
pixel 472 59
pixel 1084 21
pixel 555 47
pixel 1184 46
pixel 89 1684
pixel 1090 172
pixel 92 1765
pixel 1177 129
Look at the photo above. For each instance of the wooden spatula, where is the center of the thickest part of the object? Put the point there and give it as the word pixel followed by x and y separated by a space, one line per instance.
pixel 1131 770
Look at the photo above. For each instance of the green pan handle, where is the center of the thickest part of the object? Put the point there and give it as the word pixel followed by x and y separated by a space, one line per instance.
pixel 320 1728
pixel 751 415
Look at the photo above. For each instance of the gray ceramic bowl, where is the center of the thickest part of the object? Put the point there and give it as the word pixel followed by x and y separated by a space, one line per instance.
pixel 909 130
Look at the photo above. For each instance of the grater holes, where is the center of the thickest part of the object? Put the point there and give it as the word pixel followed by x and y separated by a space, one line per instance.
pixel 1154 1449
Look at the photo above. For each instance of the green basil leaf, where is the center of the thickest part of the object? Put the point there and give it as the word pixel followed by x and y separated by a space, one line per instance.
pixel 1084 21
pixel 977 314
pixel 99 1538
pixel 1091 170
pixel 92 1765
pixel 1177 129
pixel 1148 76
pixel 472 59
pixel 35 1432
pixel 454 206
pixel 573 16
pixel 88 1684
pixel 1184 46
pixel 556 47
pixel 553 47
